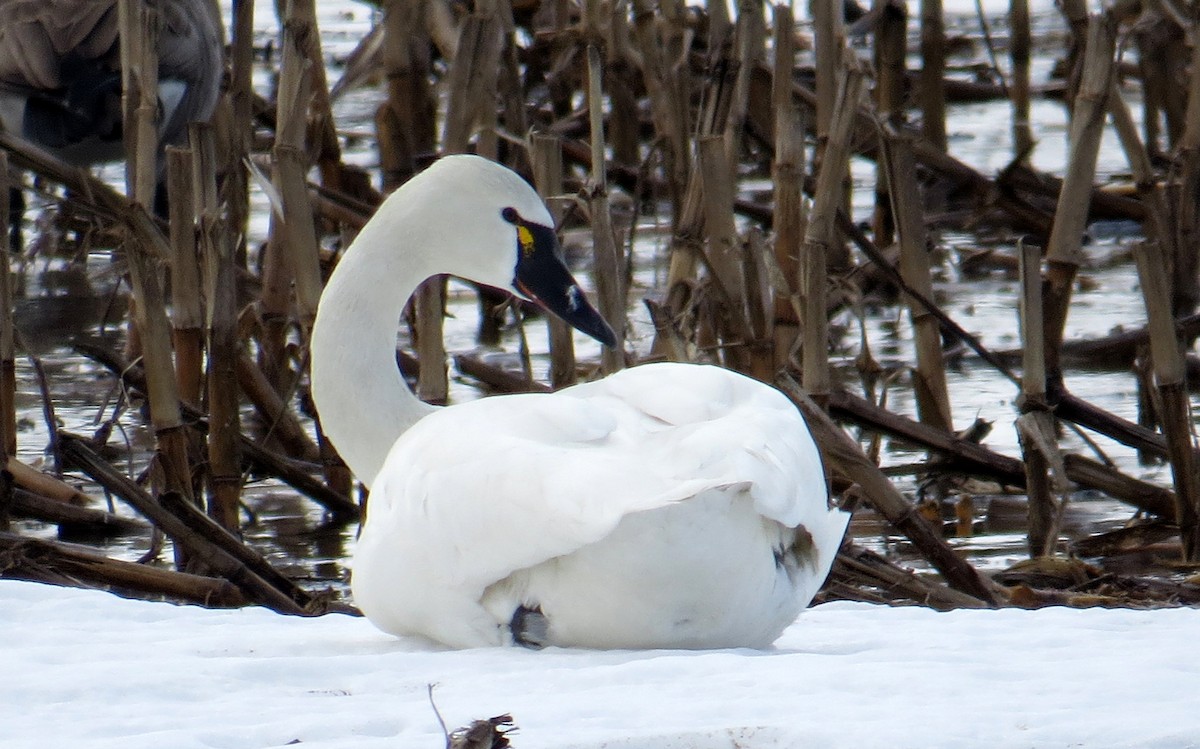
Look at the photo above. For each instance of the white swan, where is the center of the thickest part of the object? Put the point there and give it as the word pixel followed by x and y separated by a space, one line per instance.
pixel 666 506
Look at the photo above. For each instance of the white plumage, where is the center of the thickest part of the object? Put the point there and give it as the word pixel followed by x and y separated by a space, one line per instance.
pixel 669 505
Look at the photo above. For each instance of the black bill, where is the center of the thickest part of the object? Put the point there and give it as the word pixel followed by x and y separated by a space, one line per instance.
pixel 542 276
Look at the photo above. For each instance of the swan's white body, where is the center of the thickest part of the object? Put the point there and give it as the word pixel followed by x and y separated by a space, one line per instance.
pixel 666 506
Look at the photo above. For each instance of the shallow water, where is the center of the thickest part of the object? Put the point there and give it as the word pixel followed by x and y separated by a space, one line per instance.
pixel 62 301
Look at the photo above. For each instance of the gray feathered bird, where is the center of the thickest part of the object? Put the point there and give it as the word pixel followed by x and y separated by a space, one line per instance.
pixel 60 78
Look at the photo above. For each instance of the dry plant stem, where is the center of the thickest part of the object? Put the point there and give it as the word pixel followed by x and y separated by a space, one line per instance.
pixel 281 423
pixel 1078 411
pixel 1168 360
pixel 496 379
pixel 48 411
pixel 138 31
pixel 664 89
pixel 1149 405
pixel 621 80
pixel 471 82
pixel 92 522
pixel 1043 510
pixel 512 115
pixel 149 305
pixel 89 193
pixel 929 381
pixel 442 26
pixel 1161 48
pixel 410 110
pixel 783 45
pixel 59 563
pixel 289 164
pixel 988 191
pixel 842 455
pixel 1119 349
pixel 669 342
pixel 821 236
pixel 546 156
pixel 472 78
pixel 1157 224
pixel 224 420
pixel 290 159
pixel 610 290
pixel 553 22
pixel 687 245
pixel 133 377
pixel 1170 376
pixel 407 138
pixel 274 305
pixel 188 527
pixel 301 20
pixel 1064 252
pixel 44 484
pixel 724 255
pixel 931 85
pixel 719 21
pixel 139 84
pixel 1162 298
pixel 788 177
pixel 490 77
pixel 487 79
pixel 964 456
pixel 1184 250
pixel 235 189
pixel 1104 204
pixel 187 302
pixel 338 503
pixel 858 562
pixel 829 45
pixel 676 39
pixel 749 39
pixel 759 271
pixel 1093 474
pixel 8 361
pixel 890 90
pixel 1020 43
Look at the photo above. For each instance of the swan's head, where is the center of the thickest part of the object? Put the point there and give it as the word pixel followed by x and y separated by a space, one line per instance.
pixel 478 220
pixel 541 275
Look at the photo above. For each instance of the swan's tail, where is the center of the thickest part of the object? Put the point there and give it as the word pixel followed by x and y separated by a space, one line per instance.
pixel 827 531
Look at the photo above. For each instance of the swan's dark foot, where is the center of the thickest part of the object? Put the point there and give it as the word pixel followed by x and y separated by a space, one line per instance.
pixel 530 628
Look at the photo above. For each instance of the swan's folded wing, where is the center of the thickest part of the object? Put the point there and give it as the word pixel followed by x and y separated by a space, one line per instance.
pixel 483 489
pixel 478 491
pixel 726 427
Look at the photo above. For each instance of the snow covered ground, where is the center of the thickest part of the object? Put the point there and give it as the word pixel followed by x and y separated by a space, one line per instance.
pixel 85 670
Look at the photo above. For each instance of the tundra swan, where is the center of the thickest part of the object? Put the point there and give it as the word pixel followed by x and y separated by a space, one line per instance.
pixel 665 506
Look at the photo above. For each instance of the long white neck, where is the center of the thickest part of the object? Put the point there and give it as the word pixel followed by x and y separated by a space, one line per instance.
pixel 363 401
pixel 448 219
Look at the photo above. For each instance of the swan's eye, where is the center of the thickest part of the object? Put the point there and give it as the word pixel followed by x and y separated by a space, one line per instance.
pixel 524 235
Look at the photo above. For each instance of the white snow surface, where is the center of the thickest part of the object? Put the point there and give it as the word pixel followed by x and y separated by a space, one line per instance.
pixel 85 669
